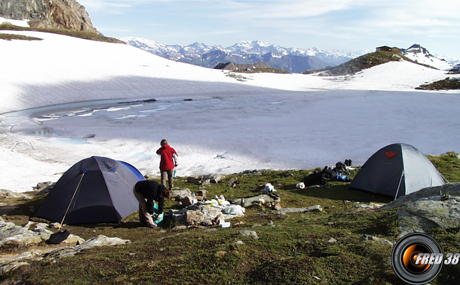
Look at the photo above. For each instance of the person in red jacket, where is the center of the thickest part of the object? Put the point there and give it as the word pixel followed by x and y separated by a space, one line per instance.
pixel 167 163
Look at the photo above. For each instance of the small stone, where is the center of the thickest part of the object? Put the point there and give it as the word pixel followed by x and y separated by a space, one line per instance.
pixel 220 254
pixel 252 234
pixel 332 240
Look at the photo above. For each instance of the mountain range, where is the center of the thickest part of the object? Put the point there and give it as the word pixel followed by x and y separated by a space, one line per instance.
pixel 294 60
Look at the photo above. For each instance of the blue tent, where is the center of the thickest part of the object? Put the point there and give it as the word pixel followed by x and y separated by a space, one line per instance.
pixel 94 190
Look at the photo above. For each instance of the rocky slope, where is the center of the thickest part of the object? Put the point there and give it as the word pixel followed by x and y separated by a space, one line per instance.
pixel 449 83
pixel 421 55
pixel 62 14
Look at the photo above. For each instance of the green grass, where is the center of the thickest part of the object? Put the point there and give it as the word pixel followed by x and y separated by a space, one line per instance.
pixel 10 37
pixel 293 251
pixel 77 34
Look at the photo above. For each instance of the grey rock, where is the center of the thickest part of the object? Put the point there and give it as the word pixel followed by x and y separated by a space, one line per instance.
pixel 373 238
pixel 368 206
pixel 315 208
pixel 68 14
pixel 332 240
pixel 11 267
pixel 428 208
pixel 22 236
pixel 232 182
pixel 252 234
pixel 44 187
pixel 100 240
pixel 256 200
pixel 213 178
pixel 251 172
pixel 13 262
pixel 451 189
pixel 179 194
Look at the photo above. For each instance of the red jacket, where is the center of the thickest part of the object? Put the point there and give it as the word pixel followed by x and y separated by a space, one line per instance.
pixel 166 162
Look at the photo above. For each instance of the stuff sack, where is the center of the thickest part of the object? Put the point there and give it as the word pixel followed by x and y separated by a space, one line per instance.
pixel 155 214
pixel 58 237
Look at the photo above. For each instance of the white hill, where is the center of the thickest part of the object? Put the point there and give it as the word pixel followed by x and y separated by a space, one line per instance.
pixel 263 121
pixel 421 55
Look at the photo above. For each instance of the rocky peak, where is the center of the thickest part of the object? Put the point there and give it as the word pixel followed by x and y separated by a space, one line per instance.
pixel 62 14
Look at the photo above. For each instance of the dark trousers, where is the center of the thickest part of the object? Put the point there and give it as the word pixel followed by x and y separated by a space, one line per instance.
pixel 167 174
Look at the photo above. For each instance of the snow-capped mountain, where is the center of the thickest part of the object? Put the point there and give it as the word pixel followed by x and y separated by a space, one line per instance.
pixel 292 59
pixel 421 55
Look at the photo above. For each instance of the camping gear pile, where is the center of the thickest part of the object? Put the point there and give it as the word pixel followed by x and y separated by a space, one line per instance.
pixel 328 174
pixel 205 212
pixel 395 170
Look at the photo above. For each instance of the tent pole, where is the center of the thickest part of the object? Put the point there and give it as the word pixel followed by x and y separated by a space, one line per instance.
pixel 399 184
pixel 71 200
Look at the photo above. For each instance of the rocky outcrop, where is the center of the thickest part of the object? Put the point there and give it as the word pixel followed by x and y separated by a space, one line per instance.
pixel 449 83
pixel 428 208
pixel 239 67
pixel 13 235
pixel 62 14
pixel 13 262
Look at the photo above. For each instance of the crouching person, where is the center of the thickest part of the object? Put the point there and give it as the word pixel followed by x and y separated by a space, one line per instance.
pixel 146 192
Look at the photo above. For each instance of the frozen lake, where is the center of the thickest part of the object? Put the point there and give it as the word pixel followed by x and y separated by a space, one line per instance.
pixel 227 134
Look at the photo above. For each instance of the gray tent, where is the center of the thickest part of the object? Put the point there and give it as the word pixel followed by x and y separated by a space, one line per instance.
pixel 94 190
pixel 397 170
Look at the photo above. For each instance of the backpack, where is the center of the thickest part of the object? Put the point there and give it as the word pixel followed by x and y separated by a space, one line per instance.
pixel 319 178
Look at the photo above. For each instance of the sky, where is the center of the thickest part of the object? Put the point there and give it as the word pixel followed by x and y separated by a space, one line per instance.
pixel 350 25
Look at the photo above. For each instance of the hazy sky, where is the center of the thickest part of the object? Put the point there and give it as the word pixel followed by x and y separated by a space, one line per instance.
pixel 353 25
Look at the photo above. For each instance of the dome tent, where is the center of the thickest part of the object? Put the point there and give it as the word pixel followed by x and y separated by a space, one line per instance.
pixel 94 190
pixel 397 170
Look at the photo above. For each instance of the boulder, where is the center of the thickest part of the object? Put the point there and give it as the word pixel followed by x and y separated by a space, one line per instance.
pixel 249 233
pixel 194 217
pixel 10 234
pixel 61 14
pixel 186 201
pixel 195 180
pixel 232 182
pixel 428 208
pixel 213 178
pixel 13 262
pixel 204 180
pixel 179 194
pixel 43 187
